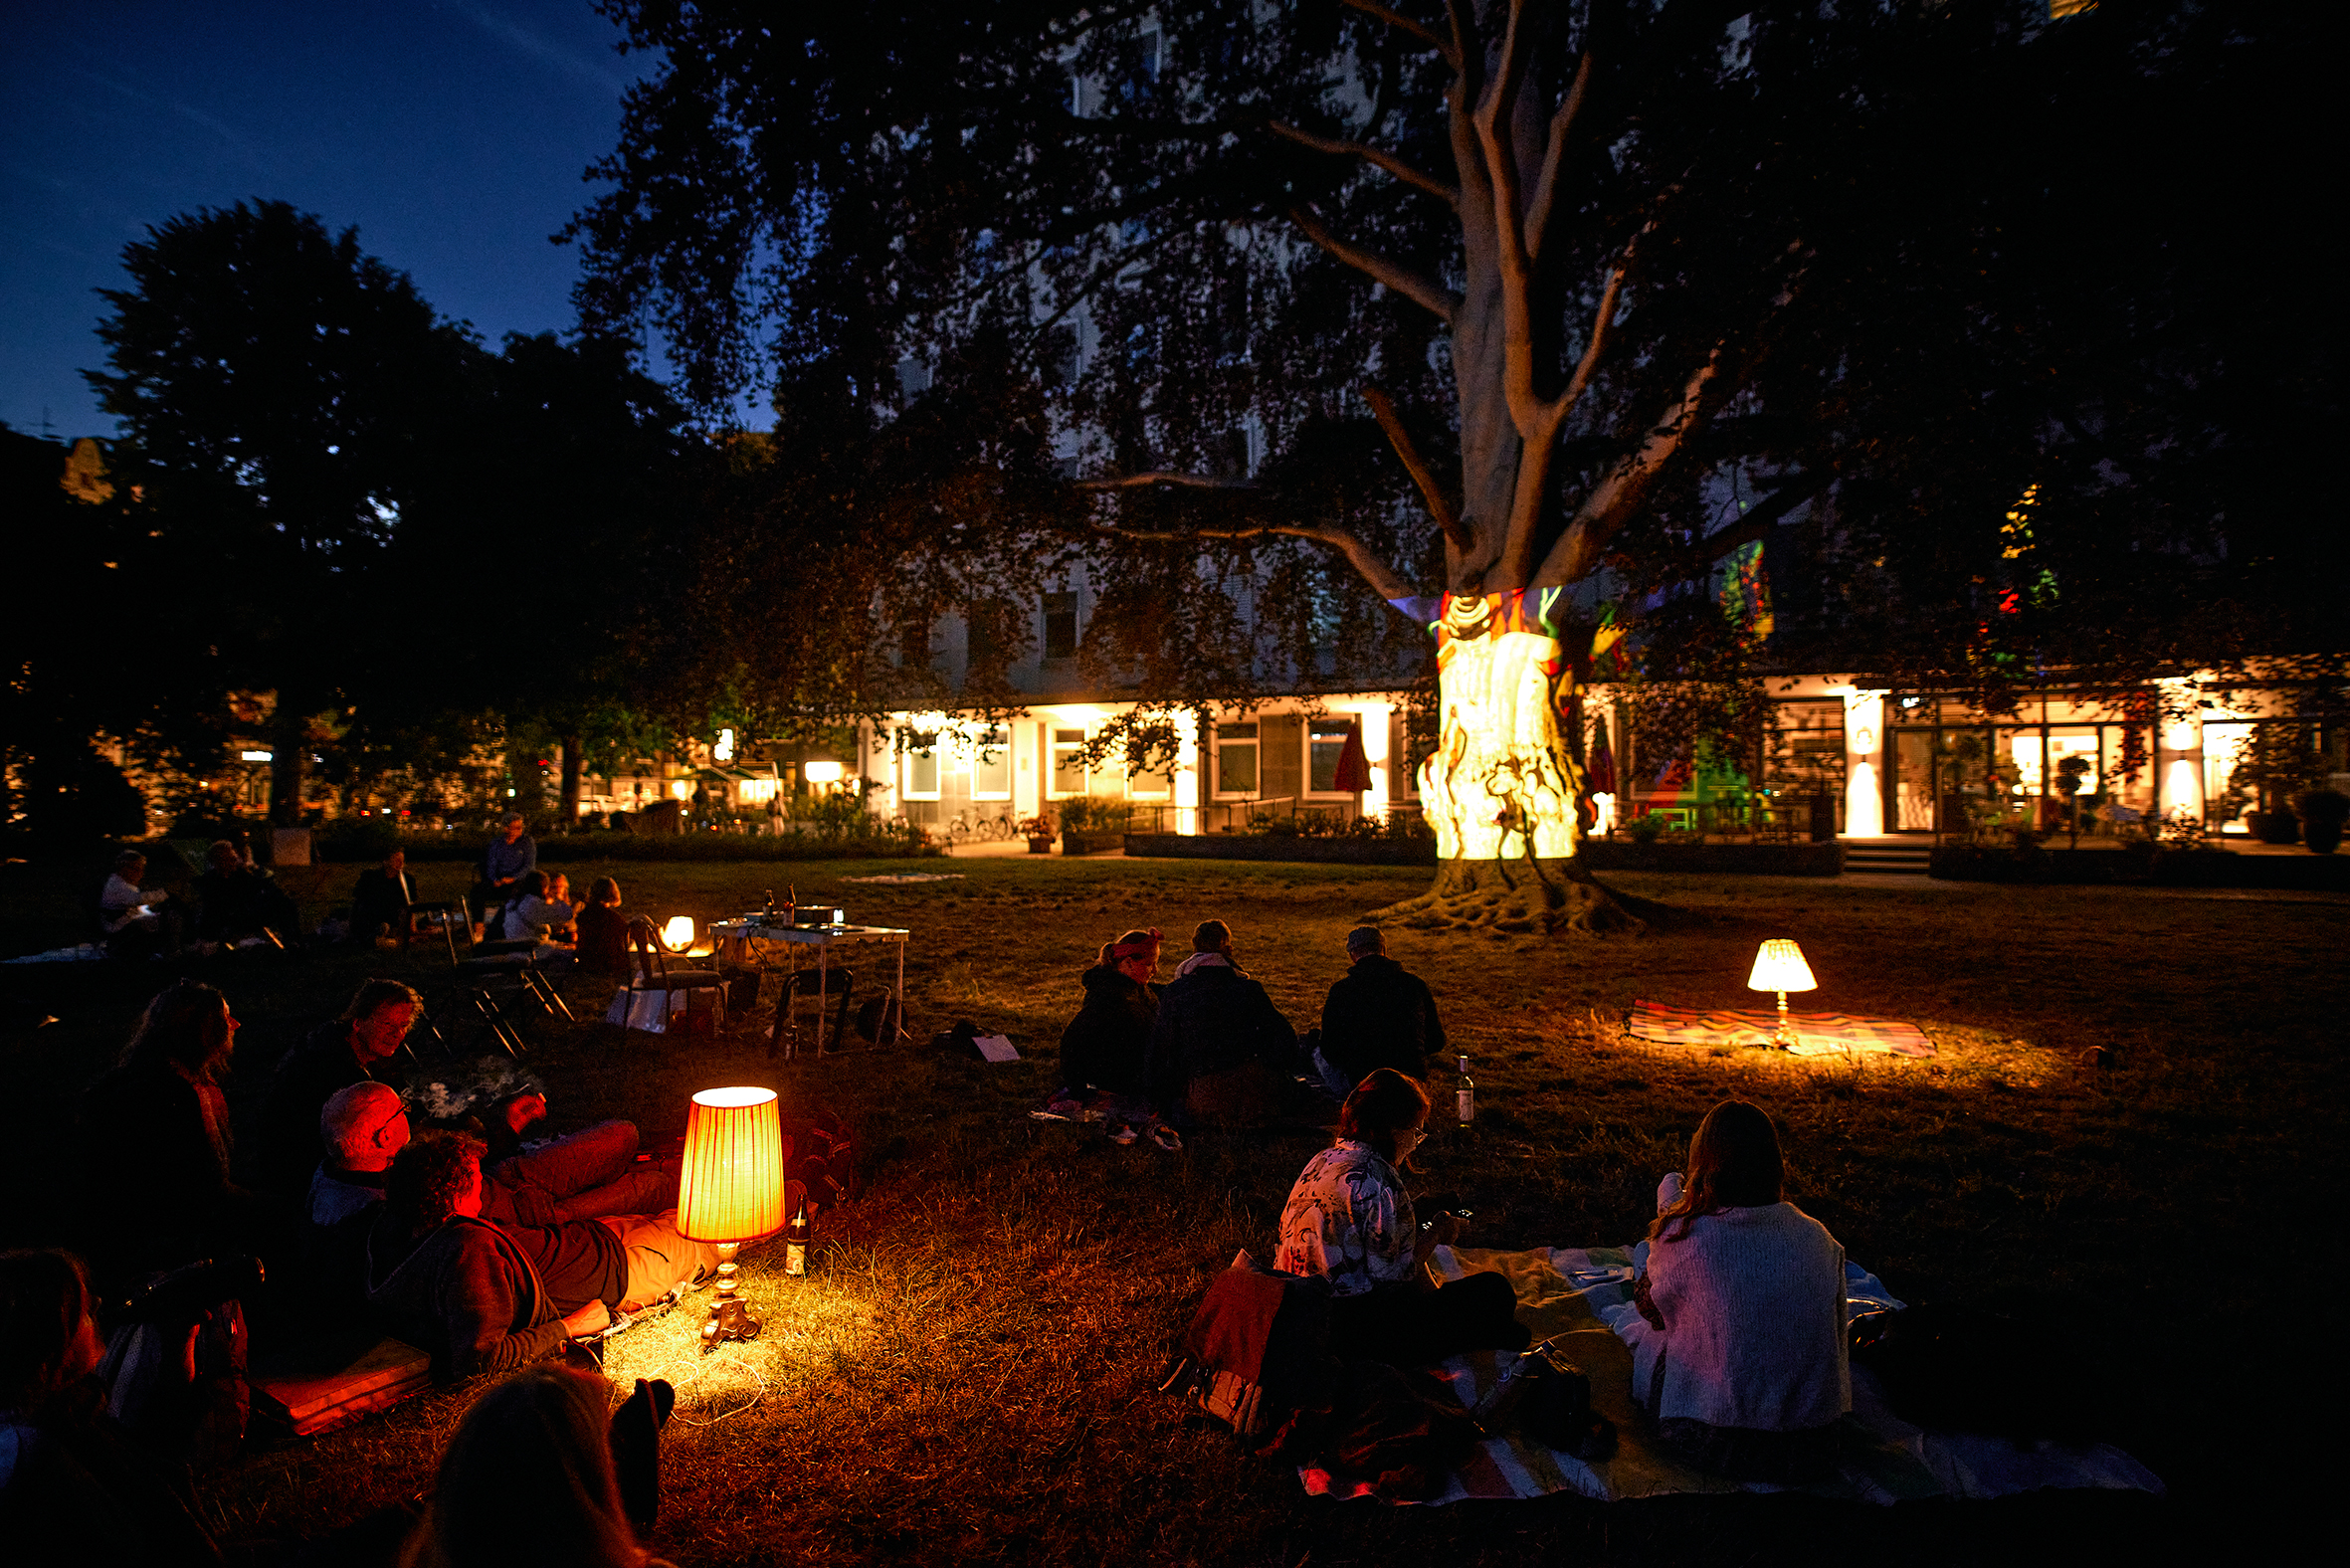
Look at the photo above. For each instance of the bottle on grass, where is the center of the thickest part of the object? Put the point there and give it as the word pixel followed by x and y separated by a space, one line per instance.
pixel 1465 1095
pixel 795 1243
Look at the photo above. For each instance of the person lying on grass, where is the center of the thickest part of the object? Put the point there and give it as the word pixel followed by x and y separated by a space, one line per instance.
pixel 1107 1046
pixel 1743 1361
pixel 485 1298
pixel 1349 1219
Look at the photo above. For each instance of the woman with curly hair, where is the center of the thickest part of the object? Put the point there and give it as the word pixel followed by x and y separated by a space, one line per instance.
pixel 1744 1361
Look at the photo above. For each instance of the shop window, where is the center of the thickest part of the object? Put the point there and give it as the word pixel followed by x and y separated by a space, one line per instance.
pixel 1069 763
pixel 1235 759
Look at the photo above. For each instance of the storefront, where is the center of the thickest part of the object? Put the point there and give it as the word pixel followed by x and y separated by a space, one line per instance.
pixel 1951 770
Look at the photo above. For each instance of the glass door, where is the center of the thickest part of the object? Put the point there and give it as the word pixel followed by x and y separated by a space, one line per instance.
pixel 1909 782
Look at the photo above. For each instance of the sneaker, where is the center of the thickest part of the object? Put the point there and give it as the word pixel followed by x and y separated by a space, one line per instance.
pixel 1166 1137
pixel 1121 1135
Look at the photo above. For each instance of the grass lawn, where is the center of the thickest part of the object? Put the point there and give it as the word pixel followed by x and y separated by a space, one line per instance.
pixel 966 1374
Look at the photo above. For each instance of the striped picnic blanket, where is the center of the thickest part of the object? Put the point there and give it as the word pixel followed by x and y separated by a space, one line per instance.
pixel 1583 1294
pixel 1815 1034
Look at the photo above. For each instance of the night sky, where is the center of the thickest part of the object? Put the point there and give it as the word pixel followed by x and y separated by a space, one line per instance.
pixel 452 134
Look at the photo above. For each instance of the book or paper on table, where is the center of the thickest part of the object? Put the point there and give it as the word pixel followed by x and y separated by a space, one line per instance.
pixel 996 1048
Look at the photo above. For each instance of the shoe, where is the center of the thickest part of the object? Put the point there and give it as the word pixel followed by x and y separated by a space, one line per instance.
pixel 1166 1137
pixel 1123 1135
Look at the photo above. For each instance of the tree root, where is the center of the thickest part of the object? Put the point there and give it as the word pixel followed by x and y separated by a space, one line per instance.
pixel 1518 897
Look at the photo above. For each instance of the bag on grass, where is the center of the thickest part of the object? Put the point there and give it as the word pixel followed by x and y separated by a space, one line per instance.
pixel 1260 1357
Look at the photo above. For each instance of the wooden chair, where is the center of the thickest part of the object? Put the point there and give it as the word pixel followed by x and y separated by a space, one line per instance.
pixel 649 970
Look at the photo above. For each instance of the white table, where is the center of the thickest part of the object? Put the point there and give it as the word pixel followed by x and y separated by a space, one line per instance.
pixel 756 944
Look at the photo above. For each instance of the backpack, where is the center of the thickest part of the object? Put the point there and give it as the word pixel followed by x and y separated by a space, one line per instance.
pixel 1260 1353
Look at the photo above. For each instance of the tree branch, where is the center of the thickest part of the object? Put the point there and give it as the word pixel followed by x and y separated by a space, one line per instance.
pixel 1493 111
pixel 1418 30
pixel 1163 476
pixel 1383 410
pixel 1553 154
pixel 1402 280
pixel 1370 154
pixel 1604 318
pixel 1382 579
pixel 1615 496
pixel 1760 518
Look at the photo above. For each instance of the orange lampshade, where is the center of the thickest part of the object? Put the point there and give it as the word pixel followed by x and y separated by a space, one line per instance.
pixel 1780 966
pixel 732 1189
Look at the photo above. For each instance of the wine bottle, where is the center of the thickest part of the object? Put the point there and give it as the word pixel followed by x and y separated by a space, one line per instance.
pixel 795 1244
pixel 1464 1097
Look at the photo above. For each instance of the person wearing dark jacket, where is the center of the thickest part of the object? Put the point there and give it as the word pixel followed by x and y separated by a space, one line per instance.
pixel 352 1049
pixel 603 930
pixel 157 1126
pixel 380 901
pixel 1220 1051
pixel 1108 1043
pixel 1378 1015
pixel 238 899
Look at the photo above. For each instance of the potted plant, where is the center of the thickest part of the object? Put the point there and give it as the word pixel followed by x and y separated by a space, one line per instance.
pixel 2322 812
pixel 2072 774
pixel 1039 832
pixel 2278 763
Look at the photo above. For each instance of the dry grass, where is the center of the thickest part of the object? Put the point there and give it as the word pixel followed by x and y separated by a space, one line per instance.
pixel 2130 1090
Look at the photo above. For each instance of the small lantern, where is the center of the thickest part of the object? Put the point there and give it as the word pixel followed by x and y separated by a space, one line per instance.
pixel 1779 966
pixel 677 935
pixel 731 1191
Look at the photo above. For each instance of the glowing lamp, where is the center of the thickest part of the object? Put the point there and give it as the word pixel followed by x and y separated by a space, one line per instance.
pixel 823 772
pixel 731 1191
pixel 1779 966
pixel 677 935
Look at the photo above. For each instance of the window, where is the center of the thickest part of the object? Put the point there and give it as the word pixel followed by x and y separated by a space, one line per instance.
pixel 1069 768
pixel 991 767
pixel 913 645
pixel 983 642
pixel 1235 759
pixel 1325 742
pixel 1060 626
pixel 922 774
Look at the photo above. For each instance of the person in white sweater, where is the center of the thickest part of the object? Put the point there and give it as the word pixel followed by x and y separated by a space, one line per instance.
pixel 1742 1360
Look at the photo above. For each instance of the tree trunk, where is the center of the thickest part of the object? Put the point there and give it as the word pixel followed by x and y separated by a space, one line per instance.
pixel 1503 787
pixel 290 760
pixel 570 802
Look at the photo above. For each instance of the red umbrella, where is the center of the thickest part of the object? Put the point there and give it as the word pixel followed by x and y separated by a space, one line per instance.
pixel 1354 764
pixel 1603 764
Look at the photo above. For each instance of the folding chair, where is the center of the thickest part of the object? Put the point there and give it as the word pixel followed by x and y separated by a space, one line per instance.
pixel 650 971
pixel 820 983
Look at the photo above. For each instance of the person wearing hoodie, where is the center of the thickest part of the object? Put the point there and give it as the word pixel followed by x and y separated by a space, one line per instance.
pixel 1107 1044
pixel 1220 1051
pixel 1378 1015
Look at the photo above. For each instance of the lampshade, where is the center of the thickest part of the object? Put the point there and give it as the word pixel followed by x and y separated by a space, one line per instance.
pixel 1780 966
pixel 732 1189
pixel 677 935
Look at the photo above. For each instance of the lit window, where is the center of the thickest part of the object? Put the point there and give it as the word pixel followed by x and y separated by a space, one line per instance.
pixel 922 774
pixel 1068 767
pixel 1325 744
pixel 1235 759
pixel 991 767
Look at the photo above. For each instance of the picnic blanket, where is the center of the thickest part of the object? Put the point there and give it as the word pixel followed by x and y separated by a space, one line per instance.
pixel 1585 1295
pixel 909 877
pixel 1815 1034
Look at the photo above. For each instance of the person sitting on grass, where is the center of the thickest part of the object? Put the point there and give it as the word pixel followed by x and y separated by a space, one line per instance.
pixel 1378 1015
pixel 485 1298
pixel 1743 1361
pixel 603 930
pixel 541 915
pixel 380 901
pixel 240 899
pixel 530 1478
pixel 357 1046
pixel 1220 1051
pixel 75 1486
pixel 1349 1219
pixel 134 927
pixel 1107 1046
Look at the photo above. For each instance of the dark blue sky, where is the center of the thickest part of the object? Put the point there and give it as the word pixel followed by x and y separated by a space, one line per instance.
pixel 452 134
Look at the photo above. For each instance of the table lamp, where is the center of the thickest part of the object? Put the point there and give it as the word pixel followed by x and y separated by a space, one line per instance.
pixel 731 1191
pixel 1779 966
pixel 677 935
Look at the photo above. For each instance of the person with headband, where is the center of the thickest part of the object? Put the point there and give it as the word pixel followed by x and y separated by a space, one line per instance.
pixel 1105 1046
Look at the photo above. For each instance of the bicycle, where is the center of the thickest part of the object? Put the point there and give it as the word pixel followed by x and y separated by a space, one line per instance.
pixel 958 830
pixel 996 828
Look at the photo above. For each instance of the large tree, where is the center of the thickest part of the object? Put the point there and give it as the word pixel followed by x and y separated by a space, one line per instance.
pixel 282 396
pixel 1626 287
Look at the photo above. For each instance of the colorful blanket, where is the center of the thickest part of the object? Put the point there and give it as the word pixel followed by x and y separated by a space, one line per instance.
pixel 1815 1034
pixel 1584 1293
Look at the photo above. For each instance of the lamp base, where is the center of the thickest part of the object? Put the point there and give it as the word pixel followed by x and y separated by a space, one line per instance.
pixel 1783 1037
pixel 730 1317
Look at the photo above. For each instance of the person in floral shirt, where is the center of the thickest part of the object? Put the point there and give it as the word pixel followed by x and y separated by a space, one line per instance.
pixel 1349 1219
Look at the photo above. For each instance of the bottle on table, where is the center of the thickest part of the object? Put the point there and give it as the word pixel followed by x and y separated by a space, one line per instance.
pixel 1465 1097
pixel 795 1243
